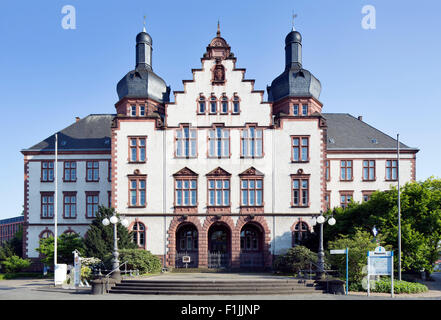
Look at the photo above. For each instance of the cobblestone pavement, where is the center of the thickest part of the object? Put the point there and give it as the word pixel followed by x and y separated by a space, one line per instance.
pixel 44 289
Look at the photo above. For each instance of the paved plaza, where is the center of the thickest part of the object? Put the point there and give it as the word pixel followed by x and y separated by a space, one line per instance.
pixel 44 289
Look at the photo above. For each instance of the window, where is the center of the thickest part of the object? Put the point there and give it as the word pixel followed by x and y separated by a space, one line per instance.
pixel 219 192
pixel 345 198
pixel 252 142
pixel 328 170
pixel 92 171
pixel 368 170
pixel 185 192
pixel 249 238
pixel 328 199
pixel 201 108
pixel 219 143
pixel 304 110
pixel 185 142
pixel 137 191
pixel 70 171
pixel 47 171
pixel 236 105
pixel 300 233
pixel 137 149
pixel 69 205
pixel 300 149
pixel 224 105
pixel 346 170
pixel 109 171
pixel 188 238
pixel 109 199
pixel 300 192
pixel 138 230
pixel 92 199
pixel 213 105
pixel 295 109
pixel 47 205
pixel 391 170
pixel 46 234
pixel 251 192
pixel 366 195
pixel 142 110
pixel 133 110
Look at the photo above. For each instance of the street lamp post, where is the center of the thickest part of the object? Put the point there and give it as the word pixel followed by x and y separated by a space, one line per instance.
pixel 115 262
pixel 321 253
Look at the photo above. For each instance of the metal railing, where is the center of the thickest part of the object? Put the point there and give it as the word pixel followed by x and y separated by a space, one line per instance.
pixel 107 276
pixel 218 260
pixel 251 259
pixel 307 274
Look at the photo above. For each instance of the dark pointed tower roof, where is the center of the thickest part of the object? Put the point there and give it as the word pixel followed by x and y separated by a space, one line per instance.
pixel 295 81
pixel 143 82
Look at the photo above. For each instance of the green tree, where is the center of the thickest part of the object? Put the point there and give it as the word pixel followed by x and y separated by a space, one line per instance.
pixel 420 222
pixel 358 244
pixel 99 238
pixel 15 264
pixel 66 244
pixel 13 246
pixel 295 259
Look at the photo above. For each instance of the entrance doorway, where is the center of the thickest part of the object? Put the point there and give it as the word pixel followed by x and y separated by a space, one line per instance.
pixel 219 246
pixel 187 246
pixel 251 246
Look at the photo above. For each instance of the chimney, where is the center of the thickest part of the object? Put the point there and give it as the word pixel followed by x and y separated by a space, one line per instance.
pixel 360 118
pixel 77 119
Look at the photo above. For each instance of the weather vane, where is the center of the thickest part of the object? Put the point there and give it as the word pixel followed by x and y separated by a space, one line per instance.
pixel 144 25
pixel 293 17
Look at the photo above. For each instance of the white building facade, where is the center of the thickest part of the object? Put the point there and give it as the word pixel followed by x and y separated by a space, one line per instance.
pixel 219 174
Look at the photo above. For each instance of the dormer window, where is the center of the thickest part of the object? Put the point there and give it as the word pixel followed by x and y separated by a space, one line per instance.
pixel 236 105
pixel 133 110
pixel 142 111
pixel 213 104
pixel 295 110
pixel 304 110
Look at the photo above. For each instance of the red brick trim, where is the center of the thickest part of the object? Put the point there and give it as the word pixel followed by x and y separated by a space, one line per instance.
pixel 259 221
pixel 171 239
pixel 26 208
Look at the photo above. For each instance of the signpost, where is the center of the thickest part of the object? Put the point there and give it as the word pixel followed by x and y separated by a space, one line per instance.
pixel 380 262
pixel 186 260
pixel 77 269
pixel 344 251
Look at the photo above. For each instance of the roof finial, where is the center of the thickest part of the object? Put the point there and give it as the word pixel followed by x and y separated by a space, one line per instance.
pixel 218 28
pixel 143 29
pixel 293 17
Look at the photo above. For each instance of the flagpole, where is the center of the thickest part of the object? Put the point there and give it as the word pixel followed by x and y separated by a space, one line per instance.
pixel 399 208
pixel 55 204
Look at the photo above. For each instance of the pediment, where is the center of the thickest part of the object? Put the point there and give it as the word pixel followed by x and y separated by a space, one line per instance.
pixel 185 172
pixel 219 172
pixel 251 172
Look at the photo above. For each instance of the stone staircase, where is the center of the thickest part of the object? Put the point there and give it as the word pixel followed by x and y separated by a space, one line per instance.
pixel 216 287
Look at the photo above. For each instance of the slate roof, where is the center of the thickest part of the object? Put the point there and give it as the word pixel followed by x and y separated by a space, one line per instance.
pixel 90 133
pixel 347 132
pixel 344 132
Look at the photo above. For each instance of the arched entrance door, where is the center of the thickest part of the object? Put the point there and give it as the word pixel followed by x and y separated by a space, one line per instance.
pixel 186 246
pixel 219 246
pixel 251 246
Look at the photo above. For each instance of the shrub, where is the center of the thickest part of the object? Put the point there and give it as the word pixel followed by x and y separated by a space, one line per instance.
pixel 139 259
pixel 383 285
pixel 294 260
pixel 15 264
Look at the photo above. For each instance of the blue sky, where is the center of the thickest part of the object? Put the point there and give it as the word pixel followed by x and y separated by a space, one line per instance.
pixel 49 75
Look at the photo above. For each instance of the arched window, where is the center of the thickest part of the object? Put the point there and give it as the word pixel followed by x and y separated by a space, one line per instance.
pixel 46 234
pixel 188 238
pixel 138 230
pixel 236 105
pixel 213 104
pixel 301 233
pixel 201 108
pixel 249 238
pixel 224 106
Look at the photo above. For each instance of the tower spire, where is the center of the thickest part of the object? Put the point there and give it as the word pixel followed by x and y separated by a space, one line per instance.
pixel 218 28
pixel 293 17
pixel 143 28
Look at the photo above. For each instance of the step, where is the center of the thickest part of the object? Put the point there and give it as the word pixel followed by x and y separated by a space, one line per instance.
pixel 214 292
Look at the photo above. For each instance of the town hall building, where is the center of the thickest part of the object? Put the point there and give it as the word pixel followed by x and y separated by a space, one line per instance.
pixel 219 173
